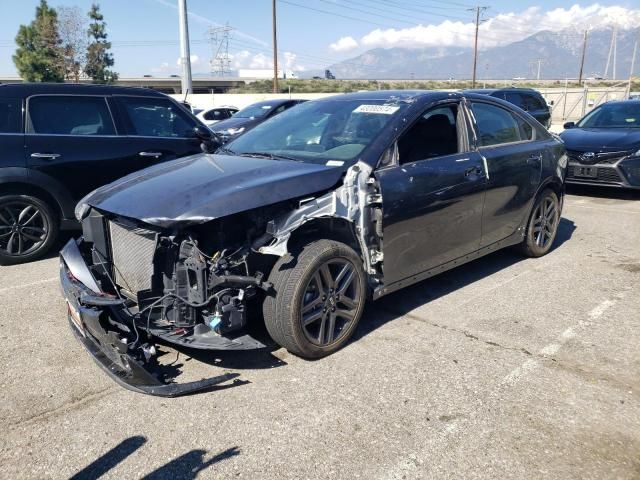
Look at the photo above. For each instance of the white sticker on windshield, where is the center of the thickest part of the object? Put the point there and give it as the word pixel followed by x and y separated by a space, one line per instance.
pixel 383 109
pixel 335 163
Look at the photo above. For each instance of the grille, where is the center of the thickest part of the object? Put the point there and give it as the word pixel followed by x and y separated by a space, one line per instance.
pixel 605 174
pixel 608 175
pixel 602 158
pixel 132 251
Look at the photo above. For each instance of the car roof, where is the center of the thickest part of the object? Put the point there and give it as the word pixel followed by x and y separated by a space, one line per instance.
pixel 394 95
pixel 621 102
pixel 489 91
pixel 276 101
pixel 27 89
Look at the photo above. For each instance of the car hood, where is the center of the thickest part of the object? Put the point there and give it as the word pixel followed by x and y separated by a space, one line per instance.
pixel 601 139
pixel 237 123
pixel 200 188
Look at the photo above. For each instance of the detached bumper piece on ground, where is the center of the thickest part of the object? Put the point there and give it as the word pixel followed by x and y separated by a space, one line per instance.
pixel 114 342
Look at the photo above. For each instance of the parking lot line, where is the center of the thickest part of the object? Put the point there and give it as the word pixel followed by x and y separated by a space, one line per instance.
pixel 30 284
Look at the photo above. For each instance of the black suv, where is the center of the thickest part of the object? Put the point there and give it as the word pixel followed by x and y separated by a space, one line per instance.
pixel 527 99
pixel 58 142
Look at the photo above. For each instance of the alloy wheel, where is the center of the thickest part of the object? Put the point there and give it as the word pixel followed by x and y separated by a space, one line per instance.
pixel 330 301
pixel 545 222
pixel 23 228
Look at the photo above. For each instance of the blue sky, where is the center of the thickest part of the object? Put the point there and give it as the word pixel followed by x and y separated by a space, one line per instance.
pixel 308 38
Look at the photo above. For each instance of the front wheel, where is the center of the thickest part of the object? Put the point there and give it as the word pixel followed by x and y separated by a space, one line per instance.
pixel 28 228
pixel 320 293
pixel 543 225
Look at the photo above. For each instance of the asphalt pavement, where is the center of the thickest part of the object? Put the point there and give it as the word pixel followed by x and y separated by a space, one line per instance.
pixel 502 368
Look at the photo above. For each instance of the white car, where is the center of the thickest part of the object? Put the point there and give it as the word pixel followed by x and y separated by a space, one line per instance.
pixel 212 116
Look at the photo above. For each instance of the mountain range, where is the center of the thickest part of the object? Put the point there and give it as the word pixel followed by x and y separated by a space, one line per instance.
pixel 559 54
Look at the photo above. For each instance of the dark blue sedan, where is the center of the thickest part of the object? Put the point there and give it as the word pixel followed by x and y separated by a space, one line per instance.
pixel 604 147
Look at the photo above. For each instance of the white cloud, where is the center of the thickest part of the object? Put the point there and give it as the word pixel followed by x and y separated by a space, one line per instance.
pixel 500 29
pixel 344 44
pixel 250 60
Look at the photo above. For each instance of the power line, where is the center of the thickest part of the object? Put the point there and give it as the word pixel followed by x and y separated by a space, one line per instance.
pixel 383 16
pixel 334 14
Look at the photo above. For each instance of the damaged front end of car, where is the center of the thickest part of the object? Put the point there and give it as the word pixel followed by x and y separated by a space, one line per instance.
pixel 194 283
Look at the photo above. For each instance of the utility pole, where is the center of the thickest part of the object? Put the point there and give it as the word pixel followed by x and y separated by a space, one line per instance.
pixel 219 40
pixel 478 11
pixel 615 52
pixel 185 56
pixel 606 68
pixel 633 64
pixel 584 49
pixel 537 62
pixel 275 48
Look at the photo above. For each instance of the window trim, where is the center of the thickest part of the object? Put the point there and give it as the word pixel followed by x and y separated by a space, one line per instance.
pixel 475 126
pixel 28 126
pixel 128 124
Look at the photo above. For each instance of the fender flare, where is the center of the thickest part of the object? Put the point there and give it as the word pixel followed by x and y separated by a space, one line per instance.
pixel 50 185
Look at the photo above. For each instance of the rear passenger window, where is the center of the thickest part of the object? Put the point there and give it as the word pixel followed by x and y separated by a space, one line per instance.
pixel 215 115
pixel 156 117
pixel 10 113
pixel 526 130
pixel 70 115
pixel 515 98
pixel 535 103
pixel 495 125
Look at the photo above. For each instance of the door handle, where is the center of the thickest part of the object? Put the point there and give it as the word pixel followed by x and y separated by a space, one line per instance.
pixel 150 154
pixel 534 159
pixel 45 156
pixel 477 169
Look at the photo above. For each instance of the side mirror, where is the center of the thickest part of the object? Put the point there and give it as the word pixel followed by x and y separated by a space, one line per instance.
pixel 569 125
pixel 210 141
pixel 552 103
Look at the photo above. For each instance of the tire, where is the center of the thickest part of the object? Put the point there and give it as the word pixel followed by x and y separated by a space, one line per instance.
pixel 28 228
pixel 542 227
pixel 323 283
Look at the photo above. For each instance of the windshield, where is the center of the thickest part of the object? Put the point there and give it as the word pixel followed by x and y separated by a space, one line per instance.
pixel 257 110
pixel 615 115
pixel 319 132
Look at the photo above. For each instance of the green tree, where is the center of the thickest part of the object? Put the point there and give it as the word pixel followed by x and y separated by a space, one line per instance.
pixel 39 56
pixel 99 58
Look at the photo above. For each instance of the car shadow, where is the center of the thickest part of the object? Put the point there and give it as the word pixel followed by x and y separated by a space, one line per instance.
pixel 602 192
pixel 187 466
pixel 400 303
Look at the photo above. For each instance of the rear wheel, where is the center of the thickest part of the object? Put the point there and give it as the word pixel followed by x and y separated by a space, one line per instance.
pixel 28 228
pixel 319 297
pixel 543 225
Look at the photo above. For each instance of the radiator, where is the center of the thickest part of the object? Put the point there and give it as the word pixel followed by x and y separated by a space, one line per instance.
pixel 132 251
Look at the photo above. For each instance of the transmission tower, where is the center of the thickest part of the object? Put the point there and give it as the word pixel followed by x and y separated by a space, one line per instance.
pixel 219 40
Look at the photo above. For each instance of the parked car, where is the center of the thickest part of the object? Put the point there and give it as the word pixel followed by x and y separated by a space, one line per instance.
pixel 604 147
pixel 304 218
pixel 212 116
pixel 60 141
pixel 251 116
pixel 527 99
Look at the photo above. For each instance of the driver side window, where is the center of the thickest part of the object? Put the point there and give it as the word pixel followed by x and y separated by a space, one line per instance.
pixel 435 134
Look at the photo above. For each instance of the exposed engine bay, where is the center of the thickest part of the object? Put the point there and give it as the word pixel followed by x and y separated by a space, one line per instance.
pixel 195 286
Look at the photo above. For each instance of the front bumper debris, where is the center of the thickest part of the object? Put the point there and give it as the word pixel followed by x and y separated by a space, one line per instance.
pixel 91 314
